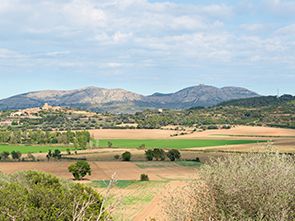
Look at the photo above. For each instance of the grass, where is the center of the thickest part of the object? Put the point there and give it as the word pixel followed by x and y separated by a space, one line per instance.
pixel 164 164
pixel 31 149
pixel 171 143
pixel 122 184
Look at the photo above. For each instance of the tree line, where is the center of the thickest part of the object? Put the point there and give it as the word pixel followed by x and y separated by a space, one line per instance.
pixel 79 139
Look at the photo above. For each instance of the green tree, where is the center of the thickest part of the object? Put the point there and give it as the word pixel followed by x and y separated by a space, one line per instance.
pixel 16 155
pixel 149 155
pixel 4 155
pixel 56 154
pixel 159 154
pixel 173 155
pixel 80 169
pixel 38 196
pixel 126 156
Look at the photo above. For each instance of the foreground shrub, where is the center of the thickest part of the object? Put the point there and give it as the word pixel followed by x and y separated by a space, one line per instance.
pixel 144 177
pixel 241 187
pixel 39 196
pixel 80 169
pixel 126 156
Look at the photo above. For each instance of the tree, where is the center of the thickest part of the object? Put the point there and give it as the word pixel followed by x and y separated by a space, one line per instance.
pixel 39 196
pixel 4 155
pixel 149 155
pixel 80 169
pixel 126 156
pixel 144 177
pixel 16 155
pixel 173 155
pixel 159 154
pixel 56 154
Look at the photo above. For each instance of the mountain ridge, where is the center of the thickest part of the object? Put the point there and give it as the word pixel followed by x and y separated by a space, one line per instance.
pixel 121 100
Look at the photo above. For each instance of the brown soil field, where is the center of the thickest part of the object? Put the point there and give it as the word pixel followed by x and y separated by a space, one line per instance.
pixel 100 170
pixel 166 134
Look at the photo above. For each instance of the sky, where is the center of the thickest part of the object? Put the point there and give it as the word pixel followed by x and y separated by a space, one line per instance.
pixel 147 46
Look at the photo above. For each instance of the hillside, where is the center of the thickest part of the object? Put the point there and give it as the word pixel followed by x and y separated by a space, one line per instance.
pixel 122 101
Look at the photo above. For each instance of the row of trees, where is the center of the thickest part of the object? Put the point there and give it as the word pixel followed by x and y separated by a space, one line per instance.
pixel 160 154
pixel 78 138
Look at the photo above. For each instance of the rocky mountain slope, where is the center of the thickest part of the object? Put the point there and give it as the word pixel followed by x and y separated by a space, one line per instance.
pixel 119 100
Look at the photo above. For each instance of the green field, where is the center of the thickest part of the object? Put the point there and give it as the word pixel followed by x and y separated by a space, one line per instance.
pixel 170 143
pixel 31 149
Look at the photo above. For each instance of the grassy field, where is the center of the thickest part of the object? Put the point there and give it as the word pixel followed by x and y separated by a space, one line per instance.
pixel 169 143
pixel 31 149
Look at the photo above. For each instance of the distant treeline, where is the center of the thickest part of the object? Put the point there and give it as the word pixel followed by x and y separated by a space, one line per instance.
pixel 77 138
pixel 259 101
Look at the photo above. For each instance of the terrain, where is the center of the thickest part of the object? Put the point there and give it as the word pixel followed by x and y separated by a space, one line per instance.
pixel 122 101
pixel 144 200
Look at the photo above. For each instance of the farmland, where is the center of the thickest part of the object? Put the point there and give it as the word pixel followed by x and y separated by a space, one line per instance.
pixel 170 143
pixel 31 149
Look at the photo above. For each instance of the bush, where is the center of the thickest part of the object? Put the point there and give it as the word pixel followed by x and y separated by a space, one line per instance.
pixel 126 156
pixel 56 154
pixel 117 157
pixel 16 155
pixel 80 169
pixel 173 155
pixel 144 177
pixel 39 196
pixel 241 187
pixel 4 155
pixel 149 155
pixel 159 154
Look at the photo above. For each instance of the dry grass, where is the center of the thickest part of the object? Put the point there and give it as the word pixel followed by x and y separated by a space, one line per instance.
pixel 242 187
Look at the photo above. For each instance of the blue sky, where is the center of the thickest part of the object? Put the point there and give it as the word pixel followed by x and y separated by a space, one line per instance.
pixel 147 46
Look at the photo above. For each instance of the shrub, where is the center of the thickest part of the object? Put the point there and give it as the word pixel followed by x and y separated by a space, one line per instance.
pixel 144 177
pixel 16 155
pixel 56 154
pixel 159 154
pixel 149 155
pixel 173 155
pixel 80 169
pixel 110 144
pixel 126 156
pixel 241 187
pixel 4 155
pixel 39 196
pixel 117 157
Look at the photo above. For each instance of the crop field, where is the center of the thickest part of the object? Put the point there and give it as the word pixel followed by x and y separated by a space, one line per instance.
pixel 170 143
pixel 31 149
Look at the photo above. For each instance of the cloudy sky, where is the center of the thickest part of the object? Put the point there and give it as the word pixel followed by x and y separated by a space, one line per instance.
pixel 147 45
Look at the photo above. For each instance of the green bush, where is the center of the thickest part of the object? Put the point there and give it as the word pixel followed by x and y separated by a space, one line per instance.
pixel 126 156
pixel 252 187
pixel 38 196
pixel 80 169
pixel 159 154
pixel 173 155
pixel 149 155
pixel 144 177
pixel 117 157
pixel 16 155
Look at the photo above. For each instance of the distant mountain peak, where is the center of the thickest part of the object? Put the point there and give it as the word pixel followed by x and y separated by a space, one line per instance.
pixel 120 100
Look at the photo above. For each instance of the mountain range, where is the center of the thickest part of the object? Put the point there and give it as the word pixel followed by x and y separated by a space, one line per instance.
pixel 123 101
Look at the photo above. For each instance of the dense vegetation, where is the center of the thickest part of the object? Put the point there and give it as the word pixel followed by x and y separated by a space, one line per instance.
pixel 39 196
pixel 77 138
pixel 242 187
pixel 268 110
